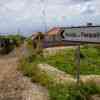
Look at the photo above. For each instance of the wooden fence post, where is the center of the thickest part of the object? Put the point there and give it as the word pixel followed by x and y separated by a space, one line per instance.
pixel 78 63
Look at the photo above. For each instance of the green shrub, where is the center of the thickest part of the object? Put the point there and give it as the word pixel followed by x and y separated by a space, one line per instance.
pixel 36 74
pixel 7 47
pixel 11 41
pixel 42 77
pixel 25 67
pixel 6 50
pixel 17 39
pixel 29 43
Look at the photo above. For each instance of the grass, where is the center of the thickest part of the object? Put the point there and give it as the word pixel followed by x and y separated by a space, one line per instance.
pixel 65 60
pixel 59 91
pixel 73 91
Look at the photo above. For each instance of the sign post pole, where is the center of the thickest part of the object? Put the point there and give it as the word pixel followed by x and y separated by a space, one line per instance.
pixel 78 63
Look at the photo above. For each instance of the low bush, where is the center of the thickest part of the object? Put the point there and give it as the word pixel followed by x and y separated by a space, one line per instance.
pixel 6 46
pixel 9 42
pixel 6 49
pixel 31 69
pixel 17 39
pixel 25 67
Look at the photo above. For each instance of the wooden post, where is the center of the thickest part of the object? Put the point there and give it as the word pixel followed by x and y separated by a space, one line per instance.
pixel 78 64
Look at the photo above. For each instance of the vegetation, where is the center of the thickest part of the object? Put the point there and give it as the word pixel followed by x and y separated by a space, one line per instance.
pixel 31 69
pixel 17 39
pixel 10 42
pixel 73 91
pixel 65 60
pixel 58 91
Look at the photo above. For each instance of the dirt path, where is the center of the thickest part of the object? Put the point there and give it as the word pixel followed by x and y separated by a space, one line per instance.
pixel 61 76
pixel 14 86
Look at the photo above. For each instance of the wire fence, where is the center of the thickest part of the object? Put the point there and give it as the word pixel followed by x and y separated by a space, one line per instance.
pixel 91 61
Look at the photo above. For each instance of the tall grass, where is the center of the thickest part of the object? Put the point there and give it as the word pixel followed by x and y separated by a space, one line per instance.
pixel 31 69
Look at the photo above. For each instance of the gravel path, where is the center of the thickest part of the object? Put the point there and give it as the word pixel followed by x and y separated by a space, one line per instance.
pixel 14 86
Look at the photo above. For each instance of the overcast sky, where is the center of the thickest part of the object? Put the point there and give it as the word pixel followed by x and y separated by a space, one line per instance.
pixel 37 15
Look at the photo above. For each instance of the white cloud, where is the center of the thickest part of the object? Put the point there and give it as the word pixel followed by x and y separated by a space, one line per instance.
pixel 22 13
